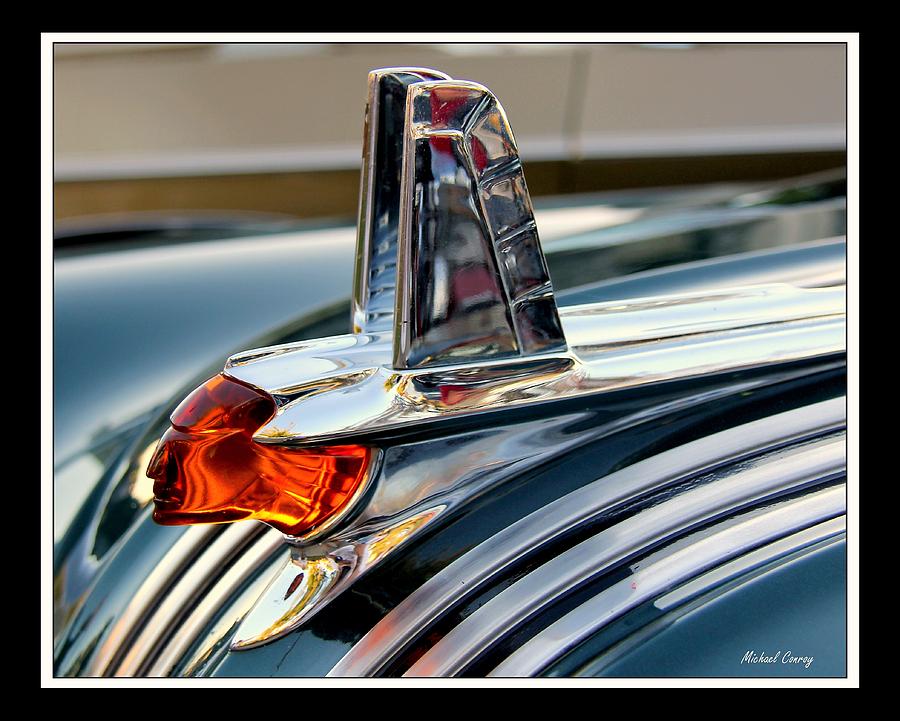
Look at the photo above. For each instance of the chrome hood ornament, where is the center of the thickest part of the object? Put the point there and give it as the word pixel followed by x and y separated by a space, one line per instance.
pixel 448 252
pixel 453 315
pixel 453 309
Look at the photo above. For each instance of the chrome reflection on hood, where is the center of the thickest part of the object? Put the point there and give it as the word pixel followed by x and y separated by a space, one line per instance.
pixel 453 307
pixel 341 387
pixel 454 316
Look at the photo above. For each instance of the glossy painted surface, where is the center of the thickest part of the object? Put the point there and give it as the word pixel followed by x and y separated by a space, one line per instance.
pixel 592 444
pixel 741 632
pixel 133 328
pixel 659 240
pixel 213 277
pixel 489 561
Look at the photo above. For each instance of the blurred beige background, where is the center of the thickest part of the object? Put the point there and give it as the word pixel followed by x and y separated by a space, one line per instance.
pixel 278 128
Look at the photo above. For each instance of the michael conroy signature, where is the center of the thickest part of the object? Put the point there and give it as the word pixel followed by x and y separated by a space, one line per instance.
pixel 782 657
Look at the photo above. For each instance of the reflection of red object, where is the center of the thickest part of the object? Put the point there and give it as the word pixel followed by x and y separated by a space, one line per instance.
pixel 441 145
pixel 453 394
pixel 479 154
pixel 472 285
pixel 208 469
pixel 445 104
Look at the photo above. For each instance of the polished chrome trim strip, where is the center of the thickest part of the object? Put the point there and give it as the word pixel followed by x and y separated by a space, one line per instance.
pixel 152 589
pixel 596 327
pixel 263 548
pixel 487 561
pixel 342 386
pixel 758 480
pixel 183 594
pixel 713 584
pixel 412 493
pixel 674 567
pixel 214 639
pixel 722 576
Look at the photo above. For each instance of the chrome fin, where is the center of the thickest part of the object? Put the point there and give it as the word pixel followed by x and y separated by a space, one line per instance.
pixel 379 196
pixel 473 329
pixel 472 280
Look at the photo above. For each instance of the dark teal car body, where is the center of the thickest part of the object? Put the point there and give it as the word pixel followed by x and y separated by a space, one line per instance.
pixel 137 325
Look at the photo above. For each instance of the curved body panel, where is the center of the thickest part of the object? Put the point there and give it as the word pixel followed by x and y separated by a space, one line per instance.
pixel 553 478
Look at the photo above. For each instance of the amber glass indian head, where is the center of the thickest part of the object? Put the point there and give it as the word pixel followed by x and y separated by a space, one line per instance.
pixel 208 469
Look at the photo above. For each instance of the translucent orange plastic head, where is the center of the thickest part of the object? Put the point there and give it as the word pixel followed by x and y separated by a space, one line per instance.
pixel 208 469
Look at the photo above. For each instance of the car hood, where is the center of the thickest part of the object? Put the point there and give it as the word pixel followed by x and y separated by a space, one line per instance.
pixel 136 329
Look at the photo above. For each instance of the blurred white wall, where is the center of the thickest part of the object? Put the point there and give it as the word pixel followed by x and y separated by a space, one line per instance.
pixel 141 111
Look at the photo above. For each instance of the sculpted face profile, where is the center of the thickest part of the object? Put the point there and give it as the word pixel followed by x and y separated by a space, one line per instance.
pixel 208 469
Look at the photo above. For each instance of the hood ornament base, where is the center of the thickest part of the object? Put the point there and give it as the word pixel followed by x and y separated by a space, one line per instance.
pixel 454 315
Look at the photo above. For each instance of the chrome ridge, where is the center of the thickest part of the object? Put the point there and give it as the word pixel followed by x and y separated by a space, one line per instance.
pixel 154 587
pixel 489 560
pixel 233 605
pixel 655 576
pixel 756 481
pixel 418 483
pixel 343 386
pixel 472 281
pixel 245 566
pixel 750 564
pixel 454 316
pixel 152 629
pixel 721 580
pixel 374 278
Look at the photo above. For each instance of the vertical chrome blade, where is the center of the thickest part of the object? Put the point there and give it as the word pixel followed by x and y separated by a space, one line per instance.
pixel 472 280
pixel 379 199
